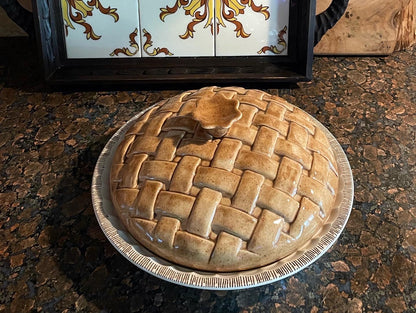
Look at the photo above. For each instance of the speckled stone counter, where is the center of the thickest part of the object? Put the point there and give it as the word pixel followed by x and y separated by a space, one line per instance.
pixel 55 258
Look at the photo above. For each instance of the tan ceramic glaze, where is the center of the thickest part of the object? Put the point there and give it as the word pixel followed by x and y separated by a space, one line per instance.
pixel 216 114
pixel 254 196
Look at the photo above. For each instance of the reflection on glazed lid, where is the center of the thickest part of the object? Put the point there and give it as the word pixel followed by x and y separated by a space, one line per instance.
pixel 224 179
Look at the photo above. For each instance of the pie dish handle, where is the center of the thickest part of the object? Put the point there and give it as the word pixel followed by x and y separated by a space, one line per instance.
pixel 216 114
pixel 328 18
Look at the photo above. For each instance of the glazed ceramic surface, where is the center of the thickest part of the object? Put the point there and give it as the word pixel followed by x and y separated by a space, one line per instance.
pixel 216 114
pixel 173 30
pixel 161 28
pixel 255 28
pixel 329 229
pixel 101 28
pixel 224 179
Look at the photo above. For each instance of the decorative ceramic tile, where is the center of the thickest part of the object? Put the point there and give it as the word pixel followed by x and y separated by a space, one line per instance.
pixel 255 27
pixel 177 27
pixel 101 28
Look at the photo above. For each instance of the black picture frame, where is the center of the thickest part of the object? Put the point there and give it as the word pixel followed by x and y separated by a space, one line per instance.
pixel 294 67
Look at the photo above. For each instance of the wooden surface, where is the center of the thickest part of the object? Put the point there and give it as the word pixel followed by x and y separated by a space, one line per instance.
pixel 371 27
pixel 321 5
pixel 8 28
pixel 26 4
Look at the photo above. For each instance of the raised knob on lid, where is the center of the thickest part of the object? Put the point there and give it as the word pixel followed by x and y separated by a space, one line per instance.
pixel 216 114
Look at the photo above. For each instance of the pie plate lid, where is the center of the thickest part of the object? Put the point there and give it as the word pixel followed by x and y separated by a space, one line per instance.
pixel 227 180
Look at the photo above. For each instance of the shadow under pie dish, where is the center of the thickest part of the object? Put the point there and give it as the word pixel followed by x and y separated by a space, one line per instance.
pixel 227 182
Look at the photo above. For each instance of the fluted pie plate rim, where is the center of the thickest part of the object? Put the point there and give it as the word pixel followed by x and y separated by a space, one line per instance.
pixel 144 259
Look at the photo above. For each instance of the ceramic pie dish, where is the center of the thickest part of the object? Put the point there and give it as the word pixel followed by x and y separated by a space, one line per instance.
pixel 222 188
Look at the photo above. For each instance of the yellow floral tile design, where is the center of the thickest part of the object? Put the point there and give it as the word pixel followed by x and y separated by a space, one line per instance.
pixel 223 11
pixel 126 51
pixel 77 11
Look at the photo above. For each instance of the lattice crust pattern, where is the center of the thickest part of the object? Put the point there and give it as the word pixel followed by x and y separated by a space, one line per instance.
pixel 242 201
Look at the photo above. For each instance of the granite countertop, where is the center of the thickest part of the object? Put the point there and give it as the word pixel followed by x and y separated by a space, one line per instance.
pixel 55 258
